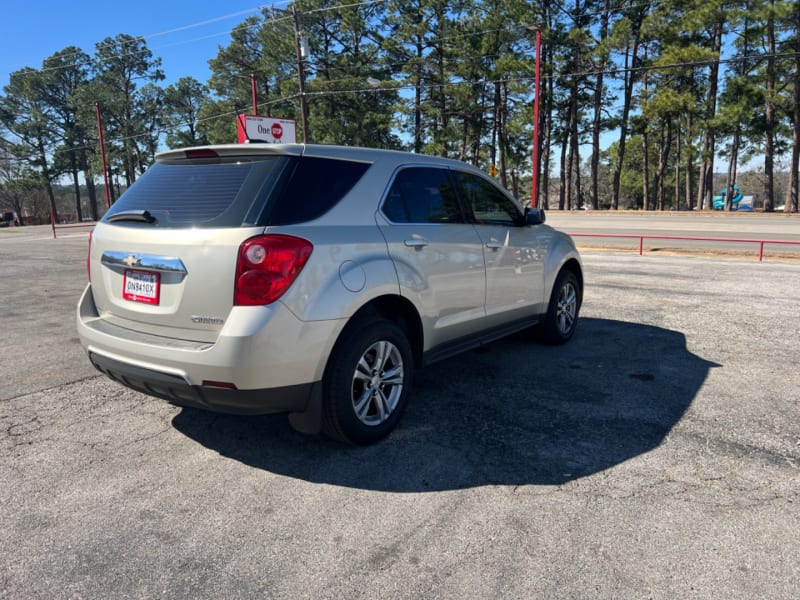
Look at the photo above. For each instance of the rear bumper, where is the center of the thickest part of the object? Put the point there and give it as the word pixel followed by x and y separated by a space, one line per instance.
pixel 177 390
pixel 265 360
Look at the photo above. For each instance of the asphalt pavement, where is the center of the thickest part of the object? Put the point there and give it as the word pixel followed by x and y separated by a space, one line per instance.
pixel 655 456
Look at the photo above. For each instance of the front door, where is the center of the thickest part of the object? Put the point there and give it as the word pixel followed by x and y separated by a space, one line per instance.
pixel 514 252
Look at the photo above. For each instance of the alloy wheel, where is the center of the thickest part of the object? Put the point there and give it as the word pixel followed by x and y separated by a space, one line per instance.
pixel 377 383
pixel 566 308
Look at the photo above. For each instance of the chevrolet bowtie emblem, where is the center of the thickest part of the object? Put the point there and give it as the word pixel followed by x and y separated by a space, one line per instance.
pixel 132 260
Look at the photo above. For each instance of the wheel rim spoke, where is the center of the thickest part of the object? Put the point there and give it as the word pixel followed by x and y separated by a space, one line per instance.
pixel 363 369
pixel 380 355
pixel 362 404
pixel 361 376
pixel 382 404
pixel 394 376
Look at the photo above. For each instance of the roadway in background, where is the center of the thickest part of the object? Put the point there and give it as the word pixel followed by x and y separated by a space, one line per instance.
pixel 746 225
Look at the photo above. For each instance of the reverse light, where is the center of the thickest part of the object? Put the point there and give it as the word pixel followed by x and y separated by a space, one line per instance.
pixel 267 266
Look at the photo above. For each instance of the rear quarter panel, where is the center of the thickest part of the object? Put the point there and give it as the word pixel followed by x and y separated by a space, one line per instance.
pixel 348 267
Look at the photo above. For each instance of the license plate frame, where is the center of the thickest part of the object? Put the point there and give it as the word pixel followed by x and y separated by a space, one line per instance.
pixel 141 286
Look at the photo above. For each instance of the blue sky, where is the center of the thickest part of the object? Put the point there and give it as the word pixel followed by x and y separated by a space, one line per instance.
pixel 184 34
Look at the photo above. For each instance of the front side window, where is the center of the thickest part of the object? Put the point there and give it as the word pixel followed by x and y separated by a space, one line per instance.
pixel 422 195
pixel 486 202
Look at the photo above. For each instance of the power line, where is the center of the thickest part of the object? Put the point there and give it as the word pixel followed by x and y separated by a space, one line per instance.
pixel 100 46
pixel 274 5
pixel 208 21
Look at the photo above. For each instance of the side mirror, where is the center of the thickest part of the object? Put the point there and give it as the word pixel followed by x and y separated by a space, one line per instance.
pixel 534 216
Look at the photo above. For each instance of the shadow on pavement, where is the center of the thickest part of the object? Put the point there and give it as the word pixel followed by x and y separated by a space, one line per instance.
pixel 516 413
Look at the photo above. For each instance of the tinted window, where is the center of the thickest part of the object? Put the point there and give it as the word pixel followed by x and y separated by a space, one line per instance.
pixel 422 195
pixel 201 193
pixel 313 187
pixel 487 203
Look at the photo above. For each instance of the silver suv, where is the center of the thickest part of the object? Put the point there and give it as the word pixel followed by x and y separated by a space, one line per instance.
pixel 314 280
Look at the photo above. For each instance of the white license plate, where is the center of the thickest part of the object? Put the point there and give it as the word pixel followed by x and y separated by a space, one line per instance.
pixel 141 286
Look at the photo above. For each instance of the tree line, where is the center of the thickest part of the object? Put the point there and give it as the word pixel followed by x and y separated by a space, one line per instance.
pixel 682 89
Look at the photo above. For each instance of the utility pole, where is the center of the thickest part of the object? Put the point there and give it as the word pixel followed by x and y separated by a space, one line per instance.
pixel 301 74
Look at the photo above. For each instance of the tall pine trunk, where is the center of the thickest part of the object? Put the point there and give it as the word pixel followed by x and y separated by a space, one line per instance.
pixel 546 127
pixel 705 182
pixel 689 161
pixel 47 178
pixel 645 171
pixel 598 110
pixel 630 55
pixel 791 204
pixel 731 181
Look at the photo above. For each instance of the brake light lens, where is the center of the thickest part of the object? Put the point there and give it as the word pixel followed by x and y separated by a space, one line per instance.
pixel 201 153
pixel 267 266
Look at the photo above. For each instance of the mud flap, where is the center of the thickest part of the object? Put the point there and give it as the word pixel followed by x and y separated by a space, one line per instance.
pixel 310 421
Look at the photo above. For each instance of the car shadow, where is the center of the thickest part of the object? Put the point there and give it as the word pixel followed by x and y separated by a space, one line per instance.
pixel 514 413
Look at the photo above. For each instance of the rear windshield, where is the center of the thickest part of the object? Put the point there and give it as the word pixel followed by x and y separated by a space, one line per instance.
pixel 237 191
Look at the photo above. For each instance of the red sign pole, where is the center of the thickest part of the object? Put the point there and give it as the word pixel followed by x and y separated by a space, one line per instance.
pixel 535 161
pixel 103 153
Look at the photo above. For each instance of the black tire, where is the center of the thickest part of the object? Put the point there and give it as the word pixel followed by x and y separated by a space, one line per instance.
pixel 562 311
pixel 367 381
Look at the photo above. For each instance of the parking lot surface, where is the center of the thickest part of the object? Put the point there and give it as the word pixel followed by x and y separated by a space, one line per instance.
pixel 655 456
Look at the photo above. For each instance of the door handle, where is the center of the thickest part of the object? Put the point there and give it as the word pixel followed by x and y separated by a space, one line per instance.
pixel 416 243
pixel 494 245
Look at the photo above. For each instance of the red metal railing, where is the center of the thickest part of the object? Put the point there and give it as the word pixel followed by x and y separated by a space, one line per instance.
pixel 633 236
pixel 642 237
pixel 55 227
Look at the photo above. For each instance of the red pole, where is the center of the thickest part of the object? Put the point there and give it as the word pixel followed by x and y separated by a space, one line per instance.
pixel 103 154
pixel 253 91
pixel 535 161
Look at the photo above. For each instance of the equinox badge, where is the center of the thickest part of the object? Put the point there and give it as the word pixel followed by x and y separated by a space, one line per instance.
pixel 207 320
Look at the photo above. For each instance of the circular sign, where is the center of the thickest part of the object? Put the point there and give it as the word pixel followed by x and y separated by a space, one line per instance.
pixel 277 131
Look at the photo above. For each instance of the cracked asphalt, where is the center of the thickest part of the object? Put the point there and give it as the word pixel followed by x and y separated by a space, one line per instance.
pixel 655 456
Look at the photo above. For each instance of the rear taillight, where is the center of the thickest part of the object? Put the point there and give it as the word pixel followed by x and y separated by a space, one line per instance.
pixel 89 258
pixel 267 266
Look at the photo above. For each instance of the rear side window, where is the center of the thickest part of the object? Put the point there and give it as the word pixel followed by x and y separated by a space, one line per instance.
pixel 202 193
pixel 422 195
pixel 313 186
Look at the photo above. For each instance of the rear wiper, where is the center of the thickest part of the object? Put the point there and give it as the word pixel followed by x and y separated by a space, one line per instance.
pixel 140 216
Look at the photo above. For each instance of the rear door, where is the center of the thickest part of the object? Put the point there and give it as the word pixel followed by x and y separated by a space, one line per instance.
pixel 437 254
